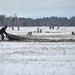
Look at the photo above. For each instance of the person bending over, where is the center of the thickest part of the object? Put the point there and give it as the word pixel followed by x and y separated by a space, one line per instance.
pixel 2 32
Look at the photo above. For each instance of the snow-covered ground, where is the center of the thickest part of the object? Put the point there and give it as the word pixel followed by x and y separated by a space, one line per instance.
pixel 61 33
pixel 45 30
pixel 38 58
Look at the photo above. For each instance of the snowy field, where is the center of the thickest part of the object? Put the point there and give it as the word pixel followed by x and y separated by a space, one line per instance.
pixel 38 58
pixel 34 58
pixel 45 30
pixel 61 33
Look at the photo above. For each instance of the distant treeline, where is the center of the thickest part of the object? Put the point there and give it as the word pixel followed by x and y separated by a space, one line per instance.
pixel 46 21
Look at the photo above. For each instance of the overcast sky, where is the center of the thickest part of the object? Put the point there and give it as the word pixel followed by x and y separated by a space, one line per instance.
pixel 38 8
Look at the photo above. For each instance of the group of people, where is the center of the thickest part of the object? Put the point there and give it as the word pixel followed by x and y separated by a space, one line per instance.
pixel 3 31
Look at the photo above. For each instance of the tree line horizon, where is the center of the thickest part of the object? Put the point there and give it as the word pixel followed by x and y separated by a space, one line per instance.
pixel 45 21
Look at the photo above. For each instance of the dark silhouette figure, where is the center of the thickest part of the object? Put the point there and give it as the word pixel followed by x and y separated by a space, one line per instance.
pixel 12 28
pixel 29 34
pixel 73 33
pixel 2 32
